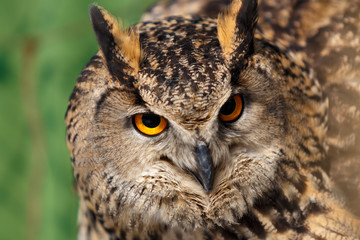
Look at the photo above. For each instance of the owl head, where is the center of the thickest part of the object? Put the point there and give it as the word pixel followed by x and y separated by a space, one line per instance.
pixel 190 121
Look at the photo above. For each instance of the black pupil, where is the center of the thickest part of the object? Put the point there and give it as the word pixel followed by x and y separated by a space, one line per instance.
pixel 228 107
pixel 151 120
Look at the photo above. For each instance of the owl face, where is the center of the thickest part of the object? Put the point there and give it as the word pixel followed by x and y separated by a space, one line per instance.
pixel 188 114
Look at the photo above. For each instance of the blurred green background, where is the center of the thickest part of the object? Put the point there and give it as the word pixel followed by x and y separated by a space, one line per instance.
pixel 43 47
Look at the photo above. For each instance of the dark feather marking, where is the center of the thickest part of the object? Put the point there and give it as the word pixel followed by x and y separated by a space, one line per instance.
pixel 317 174
pixel 96 61
pixel 305 149
pixel 314 208
pixel 122 234
pixel 77 91
pixel 74 138
pixel 92 217
pixel 275 199
pixel 69 136
pixel 228 234
pixel 84 75
pixel 109 230
pixel 154 235
pixel 254 224
pixel 112 190
pixel 110 179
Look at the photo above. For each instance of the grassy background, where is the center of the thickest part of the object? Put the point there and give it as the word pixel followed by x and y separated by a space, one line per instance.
pixel 43 47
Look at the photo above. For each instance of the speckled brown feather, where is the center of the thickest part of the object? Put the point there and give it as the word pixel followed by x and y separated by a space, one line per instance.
pixel 269 181
pixel 326 34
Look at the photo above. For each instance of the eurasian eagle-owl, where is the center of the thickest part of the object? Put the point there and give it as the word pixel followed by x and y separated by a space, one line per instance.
pixel 193 127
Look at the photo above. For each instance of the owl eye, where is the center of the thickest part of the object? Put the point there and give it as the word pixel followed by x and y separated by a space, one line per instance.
pixel 149 124
pixel 232 109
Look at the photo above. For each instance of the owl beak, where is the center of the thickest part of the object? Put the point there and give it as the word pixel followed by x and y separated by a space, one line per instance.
pixel 205 170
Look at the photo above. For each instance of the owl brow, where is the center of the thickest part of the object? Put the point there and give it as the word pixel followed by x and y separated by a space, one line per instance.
pixel 139 100
pixel 109 91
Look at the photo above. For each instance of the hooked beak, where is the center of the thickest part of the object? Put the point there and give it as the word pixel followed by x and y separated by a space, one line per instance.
pixel 204 172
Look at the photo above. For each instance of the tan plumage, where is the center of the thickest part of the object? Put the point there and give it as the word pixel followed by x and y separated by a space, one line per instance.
pixel 259 175
pixel 226 28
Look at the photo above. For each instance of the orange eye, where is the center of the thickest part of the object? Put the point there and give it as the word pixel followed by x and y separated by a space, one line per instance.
pixel 232 109
pixel 150 124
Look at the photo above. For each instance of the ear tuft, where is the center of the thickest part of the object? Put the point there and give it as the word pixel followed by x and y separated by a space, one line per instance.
pixel 236 26
pixel 227 26
pixel 118 45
